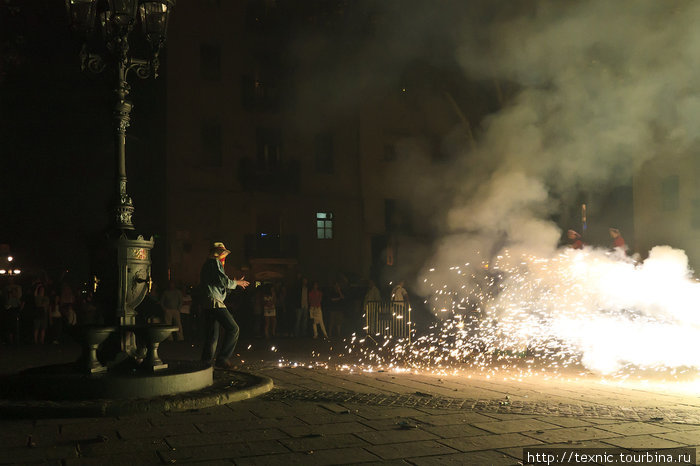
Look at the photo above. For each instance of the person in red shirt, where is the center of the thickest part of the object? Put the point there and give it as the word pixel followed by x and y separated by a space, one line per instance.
pixel 575 241
pixel 618 242
pixel 315 311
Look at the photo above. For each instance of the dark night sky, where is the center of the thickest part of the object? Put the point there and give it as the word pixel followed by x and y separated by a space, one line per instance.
pixel 57 151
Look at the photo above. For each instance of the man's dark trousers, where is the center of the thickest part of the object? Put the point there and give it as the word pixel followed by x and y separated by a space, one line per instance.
pixel 215 318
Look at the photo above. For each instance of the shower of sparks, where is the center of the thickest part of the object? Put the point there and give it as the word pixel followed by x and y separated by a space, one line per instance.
pixel 577 313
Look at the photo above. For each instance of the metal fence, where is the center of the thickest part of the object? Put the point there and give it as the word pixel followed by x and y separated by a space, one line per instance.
pixel 391 319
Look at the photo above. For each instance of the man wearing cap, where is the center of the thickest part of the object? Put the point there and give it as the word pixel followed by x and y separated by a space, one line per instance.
pixel 215 285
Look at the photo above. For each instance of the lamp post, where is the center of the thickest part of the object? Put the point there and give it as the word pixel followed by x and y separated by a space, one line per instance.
pixel 107 28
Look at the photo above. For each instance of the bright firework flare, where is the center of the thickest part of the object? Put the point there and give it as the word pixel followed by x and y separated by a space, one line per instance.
pixel 579 313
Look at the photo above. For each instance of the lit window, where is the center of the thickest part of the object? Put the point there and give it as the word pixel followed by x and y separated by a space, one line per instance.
pixel 324 225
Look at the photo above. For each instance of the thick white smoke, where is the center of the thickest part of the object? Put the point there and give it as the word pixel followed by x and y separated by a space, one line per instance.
pixel 597 89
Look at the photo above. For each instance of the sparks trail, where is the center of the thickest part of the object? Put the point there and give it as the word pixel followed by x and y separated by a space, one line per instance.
pixel 576 312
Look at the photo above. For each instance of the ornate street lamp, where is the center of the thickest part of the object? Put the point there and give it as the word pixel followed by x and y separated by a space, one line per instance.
pixel 106 28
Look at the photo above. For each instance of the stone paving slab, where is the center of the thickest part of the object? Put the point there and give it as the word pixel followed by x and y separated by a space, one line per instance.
pixel 147 457
pixel 689 437
pixel 491 407
pixel 227 426
pixel 514 425
pixel 441 417
pixel 490 442
pixel 565 421
pixel 643 442
pixel 332 428
pixel 408 450
pixel 134 432
pixel 453 431
pixel 222 451
pixel 311 458
pixel 182 441
pixel 323 442
pixel 112 447
pixel 635 428
pixel 396 436
pixel 571 434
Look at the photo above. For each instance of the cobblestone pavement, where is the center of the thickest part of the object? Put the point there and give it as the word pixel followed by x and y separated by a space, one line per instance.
pixel 424 400
pixel 321 416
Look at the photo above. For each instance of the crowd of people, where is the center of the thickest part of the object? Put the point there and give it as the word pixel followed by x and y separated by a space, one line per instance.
pixel 42 311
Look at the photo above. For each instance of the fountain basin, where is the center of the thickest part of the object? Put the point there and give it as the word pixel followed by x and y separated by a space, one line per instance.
pixel 68 382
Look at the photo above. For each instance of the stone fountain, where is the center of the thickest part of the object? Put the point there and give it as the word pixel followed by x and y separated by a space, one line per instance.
pixel 120 359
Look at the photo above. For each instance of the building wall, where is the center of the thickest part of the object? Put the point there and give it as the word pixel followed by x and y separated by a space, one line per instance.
pixel 219 203
pixel 667 205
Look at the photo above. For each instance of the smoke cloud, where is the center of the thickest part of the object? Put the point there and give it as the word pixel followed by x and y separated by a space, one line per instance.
pixel 597 88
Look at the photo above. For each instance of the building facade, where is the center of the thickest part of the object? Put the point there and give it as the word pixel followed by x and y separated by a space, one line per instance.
pixel 264 154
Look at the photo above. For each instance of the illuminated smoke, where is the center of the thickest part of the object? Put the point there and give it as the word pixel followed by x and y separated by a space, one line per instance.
pixel 597 94
pixel 593 92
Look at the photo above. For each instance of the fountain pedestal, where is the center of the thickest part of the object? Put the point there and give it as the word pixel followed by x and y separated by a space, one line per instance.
pixel 91 337
pixel 151 337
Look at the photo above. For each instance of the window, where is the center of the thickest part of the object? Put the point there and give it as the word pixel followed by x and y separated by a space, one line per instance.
pixel 269 150
pixel 210 62
pixel 324 225
pixel 669 193
pixel 211 140
pixel 324 152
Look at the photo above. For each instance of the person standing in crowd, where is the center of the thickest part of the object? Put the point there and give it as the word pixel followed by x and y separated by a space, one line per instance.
pixel 372 295
pixel 337 311
pixel 399 295
pixel 88 310
pixel 301 323
pixel 171 300
pixel 215 285
pixel 618 242
pixel 270 310
pixel 67 298
pixel 315 311
pixel 13 307
pixel 55 319
pixel 575 241
pixel 41 314
pixel 281 316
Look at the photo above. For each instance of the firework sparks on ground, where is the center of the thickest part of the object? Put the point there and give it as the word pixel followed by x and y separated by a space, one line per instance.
pixel 577 312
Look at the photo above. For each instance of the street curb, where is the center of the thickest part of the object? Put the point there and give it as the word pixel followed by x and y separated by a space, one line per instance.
pixel 225 389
